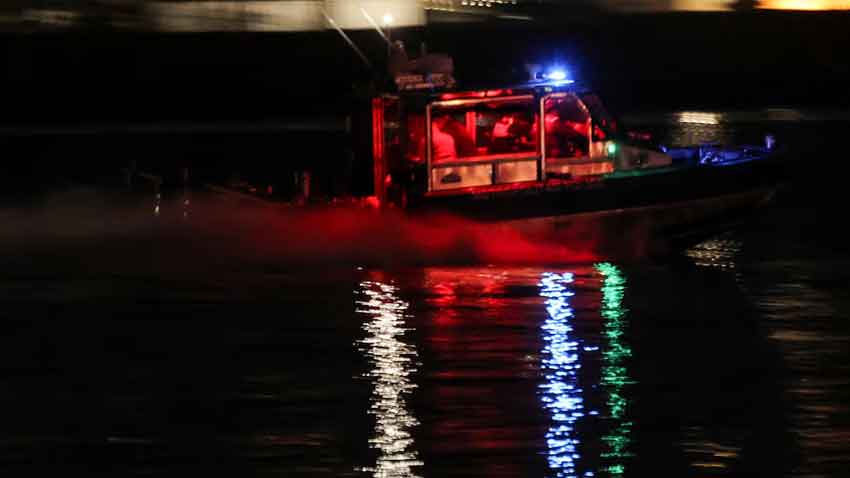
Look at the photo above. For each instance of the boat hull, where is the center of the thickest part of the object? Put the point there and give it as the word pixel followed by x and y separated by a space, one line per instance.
pixel 648 211
pixel 645 230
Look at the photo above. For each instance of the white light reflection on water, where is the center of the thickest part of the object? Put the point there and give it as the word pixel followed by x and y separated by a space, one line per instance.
pixel 697 127
pixel 698 117
pixel 561 394
pixel 806 319
pixel 718 252
pixel 393 362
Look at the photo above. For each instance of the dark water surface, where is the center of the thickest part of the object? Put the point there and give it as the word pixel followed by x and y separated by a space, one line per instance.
pixel 728 359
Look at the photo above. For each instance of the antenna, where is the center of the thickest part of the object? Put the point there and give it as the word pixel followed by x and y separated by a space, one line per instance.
pixel 347 39
pixel 374 24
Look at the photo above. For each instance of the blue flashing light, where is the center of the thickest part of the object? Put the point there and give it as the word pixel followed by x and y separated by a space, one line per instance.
pixel 556 75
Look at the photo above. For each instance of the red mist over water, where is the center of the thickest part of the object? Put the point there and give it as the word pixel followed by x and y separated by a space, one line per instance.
pixel 215 232
pixel 390 238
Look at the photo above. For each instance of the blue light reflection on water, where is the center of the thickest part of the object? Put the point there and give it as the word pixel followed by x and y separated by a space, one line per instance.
pixel 560 393
pixel 393 362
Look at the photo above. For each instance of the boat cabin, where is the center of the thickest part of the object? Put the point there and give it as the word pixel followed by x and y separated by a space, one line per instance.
pixel 428 143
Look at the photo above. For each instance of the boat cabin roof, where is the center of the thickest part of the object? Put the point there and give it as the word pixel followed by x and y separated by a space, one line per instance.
pixel 536 88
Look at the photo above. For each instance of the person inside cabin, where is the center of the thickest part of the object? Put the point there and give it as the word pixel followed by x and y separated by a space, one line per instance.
pixel 512 132
pixel 523 131
pixel 599 132
pixel 501 135
pixel 604 125
pixel 567 129
pixel 442 143
pixel 464 145
pixel 577 132
pixel 552 126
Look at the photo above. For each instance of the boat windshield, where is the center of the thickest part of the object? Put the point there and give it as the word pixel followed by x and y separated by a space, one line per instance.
pixel 483 129
pixel 605 126
pixel 567 127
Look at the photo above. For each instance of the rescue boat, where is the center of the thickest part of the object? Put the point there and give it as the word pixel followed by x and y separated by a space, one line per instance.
pixel 546 156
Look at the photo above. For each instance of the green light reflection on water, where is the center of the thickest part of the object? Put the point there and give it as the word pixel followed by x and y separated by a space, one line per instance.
pixel 615 376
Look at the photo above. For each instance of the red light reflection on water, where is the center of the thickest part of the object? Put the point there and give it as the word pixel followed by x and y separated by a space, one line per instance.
pixel 477 316
pixel 506 348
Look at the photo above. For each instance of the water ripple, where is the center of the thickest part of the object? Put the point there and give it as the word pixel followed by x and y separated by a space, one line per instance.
pixel 393 362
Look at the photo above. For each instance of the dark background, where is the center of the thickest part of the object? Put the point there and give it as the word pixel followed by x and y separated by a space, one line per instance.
pixel 714 60
pixel 146 351
pixel 75 100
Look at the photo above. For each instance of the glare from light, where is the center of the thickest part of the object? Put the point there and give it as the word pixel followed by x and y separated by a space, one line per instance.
pixel 557 75
pixel 561 393
pixel 806 4
pixel 700 5
pixel 229 15
pixel 717 252
pixel 348 14
pixel 697 117
pixel 392 361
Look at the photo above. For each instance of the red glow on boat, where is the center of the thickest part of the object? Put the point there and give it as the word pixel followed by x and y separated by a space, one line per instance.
pixel 378 146
pixel 463 95
pixel 599 134
pixel 477 94
pixel 503 92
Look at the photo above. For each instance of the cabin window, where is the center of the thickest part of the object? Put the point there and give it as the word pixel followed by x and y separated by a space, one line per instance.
pixel 482 142
pixel 567 127
pixel 483 129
